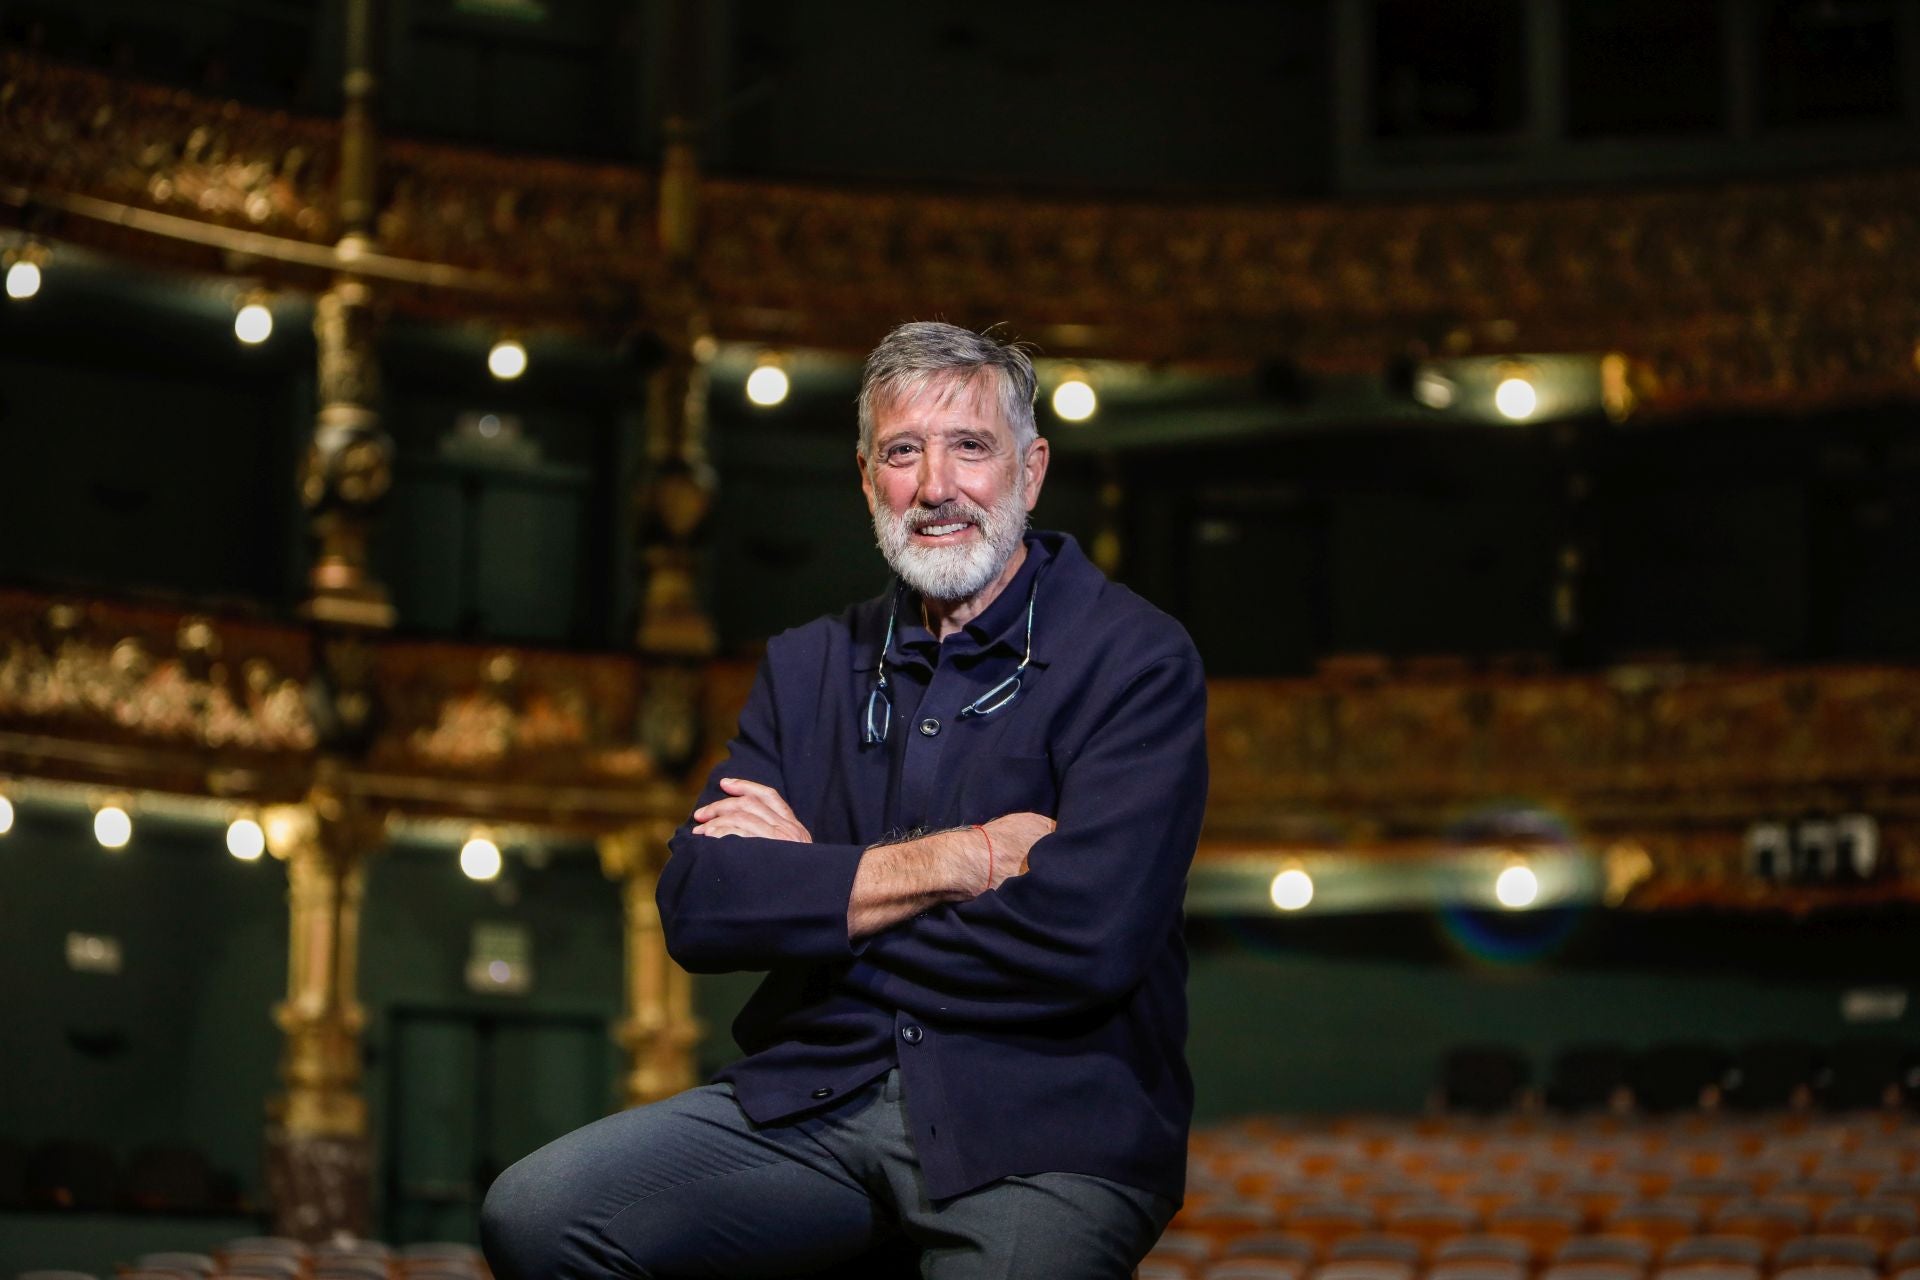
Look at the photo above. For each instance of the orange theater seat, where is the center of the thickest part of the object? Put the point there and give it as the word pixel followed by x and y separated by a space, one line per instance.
pixel 1483 1248
pixel 1251 1269
pixel 1593 1271
pixel 1430 1221
pixel 1619 1251
pixel 1326 1221
pixel 1543 1224
pixel 1279 1246
pixel 1827 1250
pixel 1709 1271
pixel 1660 1222
pixel 1883 1220
pixel 1745 1251
pixel 1477 1270
pixel 1775 1221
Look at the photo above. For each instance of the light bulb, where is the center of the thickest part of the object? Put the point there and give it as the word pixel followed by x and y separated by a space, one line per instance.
pixel 6 815
pixel 1292 889
pixel 507 360
pixel 1515 398
pixel 245 840
pixel 112 827
pixel 767 385
pixel 23 279
pixel 1074 401
pixel 253 323
pixel 1517 887
pixel 480 858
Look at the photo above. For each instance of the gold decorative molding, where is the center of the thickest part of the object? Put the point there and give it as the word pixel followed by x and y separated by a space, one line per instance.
pixel 93 691
pixel 126 673
pixel 1768 292
pixel 1633 744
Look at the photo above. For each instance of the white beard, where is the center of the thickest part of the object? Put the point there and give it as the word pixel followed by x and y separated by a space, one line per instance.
pixel 957 572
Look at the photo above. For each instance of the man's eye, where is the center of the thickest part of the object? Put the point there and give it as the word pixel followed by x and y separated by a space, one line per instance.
pixel 899 452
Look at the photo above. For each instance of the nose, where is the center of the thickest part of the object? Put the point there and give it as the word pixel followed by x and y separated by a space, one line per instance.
pixel 936 483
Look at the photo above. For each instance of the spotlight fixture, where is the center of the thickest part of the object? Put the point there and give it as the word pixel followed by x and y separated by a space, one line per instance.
pixel 1292 889
pixel 1515 397
pixel 1074 400
pixel 111 825
pixel 1517 887
pixel 23 271
pixel 245 838
pixel 767 385
pixel 6 814
pixel 253 321
pixel 507 360
pixel 480 857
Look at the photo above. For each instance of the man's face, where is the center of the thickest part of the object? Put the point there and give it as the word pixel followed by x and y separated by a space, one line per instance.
pixel 948 489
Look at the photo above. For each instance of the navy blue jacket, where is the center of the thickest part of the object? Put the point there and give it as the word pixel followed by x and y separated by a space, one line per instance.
pixel 1040 1027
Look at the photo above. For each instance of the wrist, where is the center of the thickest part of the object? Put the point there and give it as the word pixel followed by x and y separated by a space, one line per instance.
pixel 956 864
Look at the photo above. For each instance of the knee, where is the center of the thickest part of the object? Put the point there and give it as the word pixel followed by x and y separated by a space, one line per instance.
pixel 523 1223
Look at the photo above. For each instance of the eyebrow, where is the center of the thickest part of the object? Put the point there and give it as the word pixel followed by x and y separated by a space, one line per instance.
pixel 952 432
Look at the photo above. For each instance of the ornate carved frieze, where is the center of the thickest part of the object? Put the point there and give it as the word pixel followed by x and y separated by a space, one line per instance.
pixel 126 674
pixel 1629 745
pixel 1792 291
pixel 194 691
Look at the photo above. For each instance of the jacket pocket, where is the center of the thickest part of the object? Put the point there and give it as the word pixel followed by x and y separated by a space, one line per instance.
pixel 996 785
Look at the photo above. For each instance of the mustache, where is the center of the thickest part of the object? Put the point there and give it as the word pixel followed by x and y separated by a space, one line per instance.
pixel 952 512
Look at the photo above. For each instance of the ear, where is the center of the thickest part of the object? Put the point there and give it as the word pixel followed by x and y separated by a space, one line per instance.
pixel 1035 466
pixel 866 481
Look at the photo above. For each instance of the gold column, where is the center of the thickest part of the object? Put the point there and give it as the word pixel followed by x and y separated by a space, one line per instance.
pixel 660 1030
pixel 319 1172
pixel 349 464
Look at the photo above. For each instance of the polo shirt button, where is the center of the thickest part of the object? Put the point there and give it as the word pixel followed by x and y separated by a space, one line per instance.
pixel 911 1034
pixel 824 1091
pixel 929 726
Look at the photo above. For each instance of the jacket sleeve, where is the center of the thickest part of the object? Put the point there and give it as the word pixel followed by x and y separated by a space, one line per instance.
pixel 730 903
pixel 1101 894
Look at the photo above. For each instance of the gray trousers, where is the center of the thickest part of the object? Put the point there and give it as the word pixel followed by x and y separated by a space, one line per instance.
pixel 691 1187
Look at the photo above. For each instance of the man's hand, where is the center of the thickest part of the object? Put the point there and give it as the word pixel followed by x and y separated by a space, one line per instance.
pixel 895 882
pixel 752 809
pixel 1013 836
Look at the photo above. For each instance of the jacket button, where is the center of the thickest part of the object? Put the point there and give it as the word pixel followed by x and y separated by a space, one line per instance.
pixel 824 1091
pixel 911 1034
pixel 929 726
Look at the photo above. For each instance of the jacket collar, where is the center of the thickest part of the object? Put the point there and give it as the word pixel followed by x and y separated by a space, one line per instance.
pixel 1063 584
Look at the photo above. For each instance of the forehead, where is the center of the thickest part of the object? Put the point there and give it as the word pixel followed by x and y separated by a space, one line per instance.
pixel 968 400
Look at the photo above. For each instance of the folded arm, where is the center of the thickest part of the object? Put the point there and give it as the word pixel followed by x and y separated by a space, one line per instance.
pixel 747 887
pixel 1101 895
pixel 896 881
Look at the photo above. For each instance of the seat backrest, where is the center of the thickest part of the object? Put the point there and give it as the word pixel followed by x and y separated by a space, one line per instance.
pixel 1828 1249
pixel 1750 1251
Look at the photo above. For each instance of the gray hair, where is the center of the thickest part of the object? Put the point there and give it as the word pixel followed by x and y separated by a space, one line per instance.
pixel 924 353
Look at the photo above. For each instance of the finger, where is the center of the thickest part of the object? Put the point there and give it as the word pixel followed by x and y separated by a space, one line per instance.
pixel 737 805
pixel 733 826
pixel 754 805
pixel 748 787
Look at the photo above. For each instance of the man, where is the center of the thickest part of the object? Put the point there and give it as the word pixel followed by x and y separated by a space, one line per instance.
pixel 954 829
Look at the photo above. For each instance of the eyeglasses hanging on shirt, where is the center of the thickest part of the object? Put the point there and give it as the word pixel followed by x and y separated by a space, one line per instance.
pixel 880 702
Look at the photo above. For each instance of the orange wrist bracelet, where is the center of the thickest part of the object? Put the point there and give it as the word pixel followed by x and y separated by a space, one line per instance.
pixel 989 839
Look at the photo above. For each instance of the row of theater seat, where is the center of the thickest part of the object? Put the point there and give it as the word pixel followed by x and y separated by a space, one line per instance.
pixel 1512 1197
pixel 277 1258
pixel 1168 1266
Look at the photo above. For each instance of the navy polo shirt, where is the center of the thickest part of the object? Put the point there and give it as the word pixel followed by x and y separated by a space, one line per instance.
pixel 1040 1027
